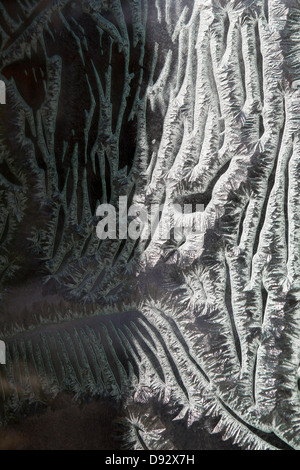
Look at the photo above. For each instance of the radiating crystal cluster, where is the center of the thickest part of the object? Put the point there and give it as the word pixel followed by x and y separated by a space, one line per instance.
pixel 172 101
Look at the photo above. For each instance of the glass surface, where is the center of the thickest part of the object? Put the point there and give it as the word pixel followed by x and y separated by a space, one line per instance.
pixel 149 224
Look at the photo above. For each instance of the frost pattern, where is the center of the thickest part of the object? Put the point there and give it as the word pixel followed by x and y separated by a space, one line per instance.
pixel 208 327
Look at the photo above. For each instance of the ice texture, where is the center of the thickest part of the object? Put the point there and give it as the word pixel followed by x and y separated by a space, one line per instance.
pixel 172 101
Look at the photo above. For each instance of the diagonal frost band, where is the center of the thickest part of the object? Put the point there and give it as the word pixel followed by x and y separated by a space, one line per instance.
pixel 165 102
